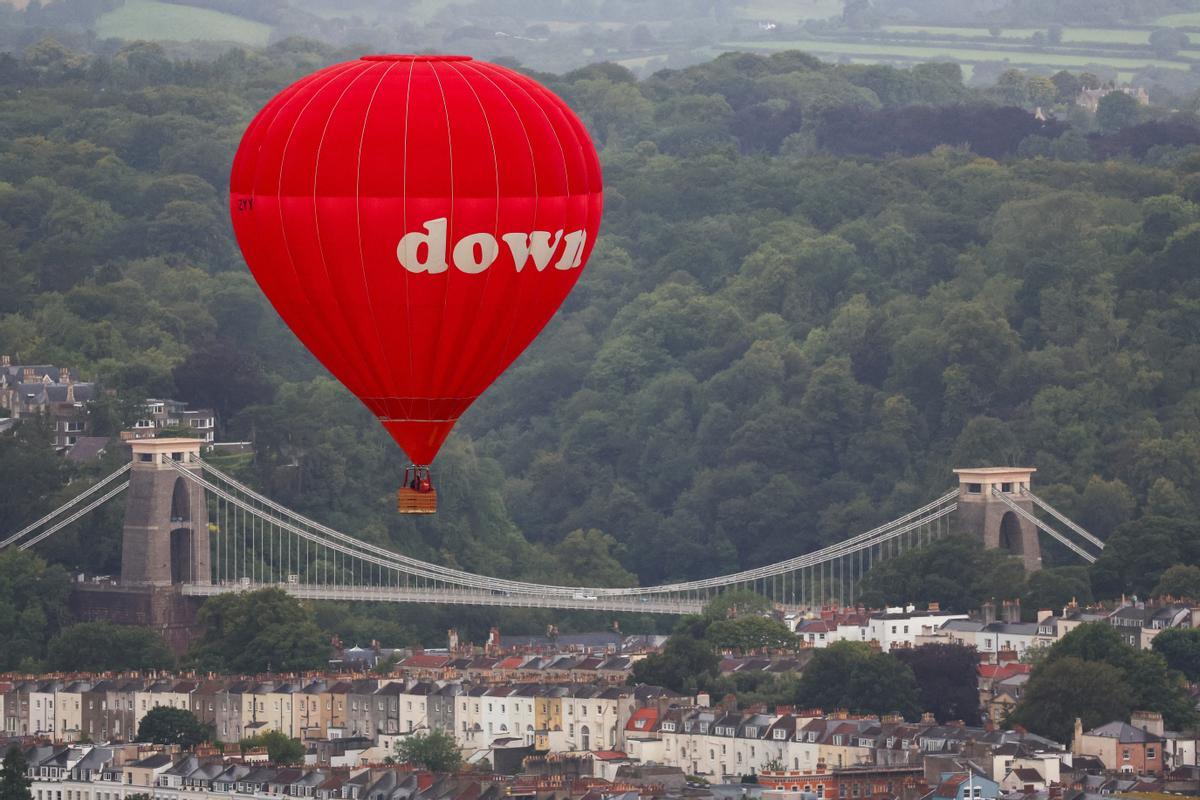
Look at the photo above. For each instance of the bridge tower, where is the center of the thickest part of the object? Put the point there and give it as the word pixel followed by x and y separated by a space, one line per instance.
pixel 165 540
pixel 981 512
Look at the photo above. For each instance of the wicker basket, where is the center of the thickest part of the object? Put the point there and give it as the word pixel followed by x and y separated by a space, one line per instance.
pixel 411 501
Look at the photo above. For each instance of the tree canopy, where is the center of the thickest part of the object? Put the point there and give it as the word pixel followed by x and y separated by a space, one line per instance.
pixel 281 748
pixel 257 632
pixel 436 751
pixel 817 288
pixel 852 676
pixel 166 725
pixel 103 646
pixel 1091 673
pixel 14 783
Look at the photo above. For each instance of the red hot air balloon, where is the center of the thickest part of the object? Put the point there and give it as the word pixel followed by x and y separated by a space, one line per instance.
pixel 416 220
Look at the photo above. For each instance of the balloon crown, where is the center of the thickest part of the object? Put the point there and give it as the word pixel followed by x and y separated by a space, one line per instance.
pixel 412 57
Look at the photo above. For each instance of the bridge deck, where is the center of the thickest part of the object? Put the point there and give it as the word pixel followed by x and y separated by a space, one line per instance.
pixel 391 594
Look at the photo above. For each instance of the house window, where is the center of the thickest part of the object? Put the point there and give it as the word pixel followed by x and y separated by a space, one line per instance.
pixel 1125 754
pixel 1150 752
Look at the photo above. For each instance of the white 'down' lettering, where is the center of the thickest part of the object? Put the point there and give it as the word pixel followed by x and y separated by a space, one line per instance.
pixel 425 251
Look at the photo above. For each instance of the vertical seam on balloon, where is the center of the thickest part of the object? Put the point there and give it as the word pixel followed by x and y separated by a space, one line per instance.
pixel 455 387
pixel 486 75
pixel 279 186
pixel 408 339
pixel 362 261
pixel 368 370
pixel 437 347
pixel 536 187
pixel 258 164
pixel 566 179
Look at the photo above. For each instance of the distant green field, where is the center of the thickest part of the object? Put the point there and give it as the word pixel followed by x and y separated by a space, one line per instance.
pixel 933 51
pixel 789 10
pixel 147 19
pixel 1070 35
pixel 1177 20
pixel 948 30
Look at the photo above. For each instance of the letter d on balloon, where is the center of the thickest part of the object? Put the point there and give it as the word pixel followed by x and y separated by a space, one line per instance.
pixel 434 239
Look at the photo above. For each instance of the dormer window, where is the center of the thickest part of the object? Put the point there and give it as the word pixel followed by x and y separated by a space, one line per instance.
pixel 780 734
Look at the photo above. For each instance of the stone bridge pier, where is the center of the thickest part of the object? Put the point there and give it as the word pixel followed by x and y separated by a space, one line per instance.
pixel 983 514
pixel 164 545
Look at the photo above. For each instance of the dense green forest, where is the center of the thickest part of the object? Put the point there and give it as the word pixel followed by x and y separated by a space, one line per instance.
pixel 817 289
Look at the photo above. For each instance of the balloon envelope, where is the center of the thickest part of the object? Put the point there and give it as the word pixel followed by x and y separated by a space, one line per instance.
pixel 416 221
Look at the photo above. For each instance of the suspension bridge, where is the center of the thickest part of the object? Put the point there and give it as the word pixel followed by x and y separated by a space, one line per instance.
pixel 196 531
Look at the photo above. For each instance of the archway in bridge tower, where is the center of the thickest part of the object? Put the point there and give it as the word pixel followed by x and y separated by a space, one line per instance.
pixel 181 555
pixel 1010 534
pixel 181 503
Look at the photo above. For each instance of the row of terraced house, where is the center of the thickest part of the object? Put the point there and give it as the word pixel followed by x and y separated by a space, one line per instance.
pixel 549 716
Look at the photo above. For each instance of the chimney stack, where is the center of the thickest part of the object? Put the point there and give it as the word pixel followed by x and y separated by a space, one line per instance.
pixel 5 361
pixel 64 375
pixel 1012 611
pixel 989 612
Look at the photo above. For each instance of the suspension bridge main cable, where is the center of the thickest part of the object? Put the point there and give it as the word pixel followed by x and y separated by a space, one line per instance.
pixel 65 506
pixel 1054 512
pixel 63 523
pixel 425 568
pixel 1085 555
pixel 388 559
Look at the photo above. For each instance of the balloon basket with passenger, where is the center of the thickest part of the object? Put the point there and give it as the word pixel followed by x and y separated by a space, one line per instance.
pixel 416 495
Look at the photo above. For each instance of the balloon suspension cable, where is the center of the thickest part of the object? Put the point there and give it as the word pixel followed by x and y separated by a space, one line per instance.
pixel 418 477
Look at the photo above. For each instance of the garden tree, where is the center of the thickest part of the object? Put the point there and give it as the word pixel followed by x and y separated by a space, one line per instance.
pixel 14 783
pixel 1145 682
pixel 1141 551
pixel 281 748
pixel 1067 688
pixel 436 751
pixel 736 603
pixel 29 468
pixel 33 606
pixel 166 725
pixel 755 688
pixel 750 634
pixel 946 675
pixel 683 665
pixel 220 375
pixel 103 647
pixel 588 558
pixel 852 676
pixel 1054 587
pixel 1105 505
pixel 1116 110
pixel 257 632
pixel 956 572
pixel 1181 649
pixel 1181 580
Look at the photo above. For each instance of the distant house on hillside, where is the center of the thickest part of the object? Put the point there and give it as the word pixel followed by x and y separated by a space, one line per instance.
pixel 1090 98
pixel 158 414
pixel 32 390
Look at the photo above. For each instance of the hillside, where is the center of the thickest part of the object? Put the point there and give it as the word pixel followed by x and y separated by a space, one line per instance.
pixel 817 289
